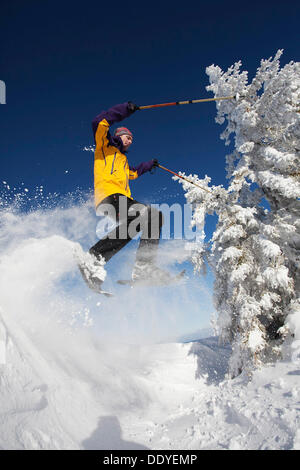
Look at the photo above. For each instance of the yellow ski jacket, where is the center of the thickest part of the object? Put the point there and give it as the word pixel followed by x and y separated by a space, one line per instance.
pixel 111 169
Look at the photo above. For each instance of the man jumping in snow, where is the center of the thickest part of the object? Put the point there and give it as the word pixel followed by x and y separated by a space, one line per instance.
pixel 113 198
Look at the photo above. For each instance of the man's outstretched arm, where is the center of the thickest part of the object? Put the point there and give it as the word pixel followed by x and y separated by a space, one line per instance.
pixel 136 171
pixel 115 114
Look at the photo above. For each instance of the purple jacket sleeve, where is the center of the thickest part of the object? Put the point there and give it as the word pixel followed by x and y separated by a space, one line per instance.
pixel 142 167
pixel 115 114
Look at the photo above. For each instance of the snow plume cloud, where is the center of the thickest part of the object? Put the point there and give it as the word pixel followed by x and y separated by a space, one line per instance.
pixel 73 357
pixel 42 290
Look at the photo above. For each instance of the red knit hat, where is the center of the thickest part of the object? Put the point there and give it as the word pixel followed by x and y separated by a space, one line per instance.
pixel 122 131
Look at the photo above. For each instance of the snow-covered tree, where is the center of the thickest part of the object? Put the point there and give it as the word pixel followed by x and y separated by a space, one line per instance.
pixel 255 249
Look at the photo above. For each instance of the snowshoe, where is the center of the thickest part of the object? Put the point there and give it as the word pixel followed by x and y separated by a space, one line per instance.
pixel 92 272
pixel 93 282
pixel 147 274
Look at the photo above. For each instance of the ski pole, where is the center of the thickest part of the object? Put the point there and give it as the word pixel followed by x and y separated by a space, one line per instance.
pixel 187 102
pixel 183 178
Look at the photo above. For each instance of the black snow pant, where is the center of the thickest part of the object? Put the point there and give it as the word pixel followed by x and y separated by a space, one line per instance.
pixel 132 217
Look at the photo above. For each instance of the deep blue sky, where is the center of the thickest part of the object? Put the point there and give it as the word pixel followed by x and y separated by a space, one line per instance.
pixel 64 62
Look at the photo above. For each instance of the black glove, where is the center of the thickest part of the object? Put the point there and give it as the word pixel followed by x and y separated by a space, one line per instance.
pixel 132 107
pixel 154 166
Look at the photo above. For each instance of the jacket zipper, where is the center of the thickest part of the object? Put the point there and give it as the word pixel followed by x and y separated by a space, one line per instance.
pixel 126 175
pixel 103 150
pixel 113 163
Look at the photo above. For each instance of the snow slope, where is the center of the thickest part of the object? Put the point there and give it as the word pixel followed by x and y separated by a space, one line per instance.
pixel 142 397
pixel 73 374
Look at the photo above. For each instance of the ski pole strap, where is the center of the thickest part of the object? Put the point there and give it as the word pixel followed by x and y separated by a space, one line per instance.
pixel 185 179
pixel 186 102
